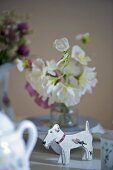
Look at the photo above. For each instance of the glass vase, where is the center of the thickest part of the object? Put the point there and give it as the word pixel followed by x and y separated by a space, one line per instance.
pixel 5 104
pixel 64 116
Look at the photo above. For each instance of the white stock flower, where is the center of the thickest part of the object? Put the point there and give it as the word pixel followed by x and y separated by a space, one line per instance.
pixel 20 65
pixel 79 55
pixel 87 80
pixel 52 90
pixel 73 82
pixel 67 95
pixel 51 67
pixel 64 94
pixel 64 81
pixel 85 35
pixel 38 82
pixel 36 77
pixel 38 64
pixel 48 67
pixel 61 44
pixel 72 68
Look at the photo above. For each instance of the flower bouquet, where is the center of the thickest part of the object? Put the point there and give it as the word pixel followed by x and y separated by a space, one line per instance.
pixel 13 41
pixel 14 45
pixel 59 85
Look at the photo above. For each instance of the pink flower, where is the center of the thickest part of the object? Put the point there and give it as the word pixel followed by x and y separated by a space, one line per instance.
pixel 42 103
pixel 38 100
pixel 29 63
pixel 30 90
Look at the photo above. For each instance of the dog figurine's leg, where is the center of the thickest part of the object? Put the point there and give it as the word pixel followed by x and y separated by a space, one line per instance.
pixel 90 154
pixel 87 154
pixel 60 160
pixel 67 157
pixel 62 157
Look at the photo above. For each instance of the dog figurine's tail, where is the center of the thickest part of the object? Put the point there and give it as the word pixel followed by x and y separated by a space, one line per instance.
pixel 87 126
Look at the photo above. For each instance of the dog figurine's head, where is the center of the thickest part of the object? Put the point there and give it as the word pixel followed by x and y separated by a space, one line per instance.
pixel 54 134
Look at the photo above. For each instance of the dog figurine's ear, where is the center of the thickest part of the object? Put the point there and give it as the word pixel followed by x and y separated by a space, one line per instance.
pixel 57 128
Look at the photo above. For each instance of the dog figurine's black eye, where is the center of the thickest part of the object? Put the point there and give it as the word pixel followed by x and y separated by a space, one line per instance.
pixel 51 131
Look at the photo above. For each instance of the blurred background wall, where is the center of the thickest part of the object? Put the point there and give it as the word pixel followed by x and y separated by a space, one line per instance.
pixel 52 19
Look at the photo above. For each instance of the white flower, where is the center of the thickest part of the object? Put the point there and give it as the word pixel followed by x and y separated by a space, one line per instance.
pixel 68 95
pixel 38 82
pixel 51 66
pixel 20 65
pixel 60 93
pixel 38 64
pixel 79 55
pixel 52 93
pixel 87 80
pixel 67 87
pixel 73 82
pixel 84 38
pixel 36 77
pixel 72 68
pixel 48 67
pixel 80 36
pixel 63 94
pixel 61 44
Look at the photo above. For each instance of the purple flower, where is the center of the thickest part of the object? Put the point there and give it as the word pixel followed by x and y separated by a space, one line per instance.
pixel 23 27
pixel 23 50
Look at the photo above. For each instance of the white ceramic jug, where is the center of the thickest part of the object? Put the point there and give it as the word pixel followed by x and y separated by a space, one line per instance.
pixel 14 151
pixel 5 103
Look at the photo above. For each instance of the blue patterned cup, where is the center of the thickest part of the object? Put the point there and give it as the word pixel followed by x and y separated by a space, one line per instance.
pixel 107 151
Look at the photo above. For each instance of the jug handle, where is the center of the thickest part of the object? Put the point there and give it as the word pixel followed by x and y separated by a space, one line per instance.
pixel 32 135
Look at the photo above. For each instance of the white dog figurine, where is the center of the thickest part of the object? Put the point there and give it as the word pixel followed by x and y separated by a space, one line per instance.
pixel 68 142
